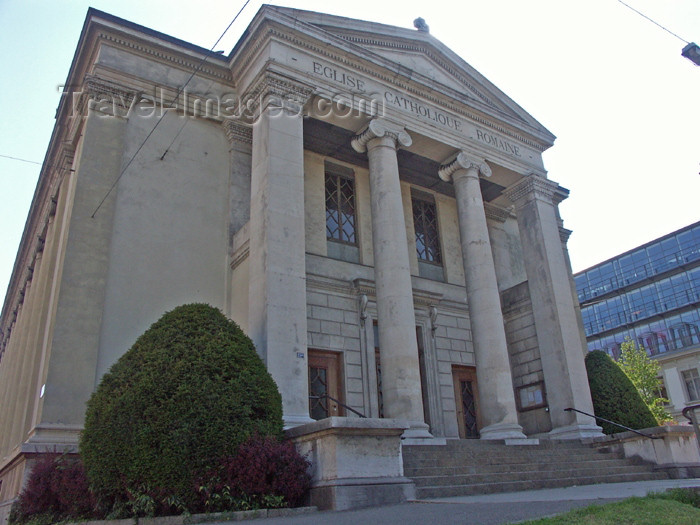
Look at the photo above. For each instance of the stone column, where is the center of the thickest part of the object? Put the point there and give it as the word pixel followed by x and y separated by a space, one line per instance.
pixel 496 398
pixel 560 341
pixel 277 286
pixel 72 354
pixel 398 348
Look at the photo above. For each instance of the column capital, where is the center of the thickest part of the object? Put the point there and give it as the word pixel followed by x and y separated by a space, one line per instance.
pixel 105 96
pixel 532 186
pixel 238 132
pixel 564 234
pixel 464 161
pixel 379 128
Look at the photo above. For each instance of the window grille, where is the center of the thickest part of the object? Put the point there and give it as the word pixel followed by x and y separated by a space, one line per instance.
pixel 425 223
pixel 340 209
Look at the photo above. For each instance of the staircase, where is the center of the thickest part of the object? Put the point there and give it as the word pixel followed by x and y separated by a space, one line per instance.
pixel 467 467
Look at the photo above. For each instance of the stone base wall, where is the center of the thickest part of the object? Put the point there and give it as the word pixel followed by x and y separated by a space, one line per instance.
pixel 674 449
pixel 354 462
pixel 524 353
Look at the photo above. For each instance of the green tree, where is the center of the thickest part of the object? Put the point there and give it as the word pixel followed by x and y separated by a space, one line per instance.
pixel 644 374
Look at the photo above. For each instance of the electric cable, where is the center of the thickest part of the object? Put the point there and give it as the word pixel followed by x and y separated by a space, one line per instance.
pixel 160 119
pixel 654 22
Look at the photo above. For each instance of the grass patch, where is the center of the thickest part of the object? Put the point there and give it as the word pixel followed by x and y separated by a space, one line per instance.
pixel 671 508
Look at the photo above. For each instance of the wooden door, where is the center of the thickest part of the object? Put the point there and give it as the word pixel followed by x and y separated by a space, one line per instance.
pixel 324 385
pixel 467 401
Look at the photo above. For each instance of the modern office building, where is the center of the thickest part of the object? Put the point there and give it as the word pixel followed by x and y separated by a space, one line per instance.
pixel 651 295
pixel 370 209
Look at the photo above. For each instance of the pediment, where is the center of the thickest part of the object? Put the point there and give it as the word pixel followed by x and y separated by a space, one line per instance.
pixel 421 58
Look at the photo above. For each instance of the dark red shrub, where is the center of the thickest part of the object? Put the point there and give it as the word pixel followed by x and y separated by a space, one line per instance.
pixel 262 467
pixel 267 466
pixel 57 488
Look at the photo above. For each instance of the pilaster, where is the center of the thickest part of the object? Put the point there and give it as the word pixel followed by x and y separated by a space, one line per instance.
pixel 74 345
pixel 560 340
pixel 277 286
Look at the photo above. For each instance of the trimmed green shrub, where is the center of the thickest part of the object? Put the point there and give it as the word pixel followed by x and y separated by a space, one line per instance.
pixel 57 490
pixel 614 396
pixel 188 392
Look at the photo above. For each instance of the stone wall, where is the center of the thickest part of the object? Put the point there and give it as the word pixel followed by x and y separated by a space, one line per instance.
pixel 525 360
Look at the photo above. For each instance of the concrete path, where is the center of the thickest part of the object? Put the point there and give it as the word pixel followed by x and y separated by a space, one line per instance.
pixel 491 509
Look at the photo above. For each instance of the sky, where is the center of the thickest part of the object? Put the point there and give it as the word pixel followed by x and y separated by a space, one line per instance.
pixel 611 85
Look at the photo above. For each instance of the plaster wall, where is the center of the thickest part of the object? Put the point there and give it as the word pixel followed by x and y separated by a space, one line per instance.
pixel 507 253
pixel 169 241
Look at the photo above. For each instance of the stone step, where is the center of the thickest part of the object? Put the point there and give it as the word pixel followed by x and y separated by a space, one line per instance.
pixel 514 486
pixel 447 459
pixel 479 446
pixel 571 472
pixel 466 467
pixel 457 470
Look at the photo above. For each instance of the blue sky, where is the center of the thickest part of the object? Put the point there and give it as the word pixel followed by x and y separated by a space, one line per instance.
pixel 609 84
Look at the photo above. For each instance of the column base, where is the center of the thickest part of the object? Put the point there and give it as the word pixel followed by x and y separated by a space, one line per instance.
pixel 295 420
pixel 576 432
pixel 417 430
pixel 502 431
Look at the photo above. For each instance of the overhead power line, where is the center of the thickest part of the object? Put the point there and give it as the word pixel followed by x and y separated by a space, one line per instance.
pixel 654 22
pixel 21 160
pixel 175 98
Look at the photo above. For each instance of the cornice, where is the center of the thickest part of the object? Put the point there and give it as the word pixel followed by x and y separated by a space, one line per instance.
pixel 496 213
pixel 317 282
pixel 358 64
pixel 157 52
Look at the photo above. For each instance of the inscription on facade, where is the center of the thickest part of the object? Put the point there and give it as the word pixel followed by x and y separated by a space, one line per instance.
pixel 339 76
pixel 497 142
pixel 424 111
pixel 417 108
pixel 380 96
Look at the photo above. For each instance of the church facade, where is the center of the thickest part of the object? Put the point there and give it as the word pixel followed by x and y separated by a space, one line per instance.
pixel 371 210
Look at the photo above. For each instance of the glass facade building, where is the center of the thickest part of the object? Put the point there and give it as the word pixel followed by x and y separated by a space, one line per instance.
pixel 650 294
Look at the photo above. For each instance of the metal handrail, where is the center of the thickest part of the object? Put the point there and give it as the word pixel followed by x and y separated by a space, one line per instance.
pixel 340 403
pixel 612 423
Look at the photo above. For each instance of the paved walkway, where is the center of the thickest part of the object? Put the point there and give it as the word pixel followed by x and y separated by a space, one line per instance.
pixel 491 509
